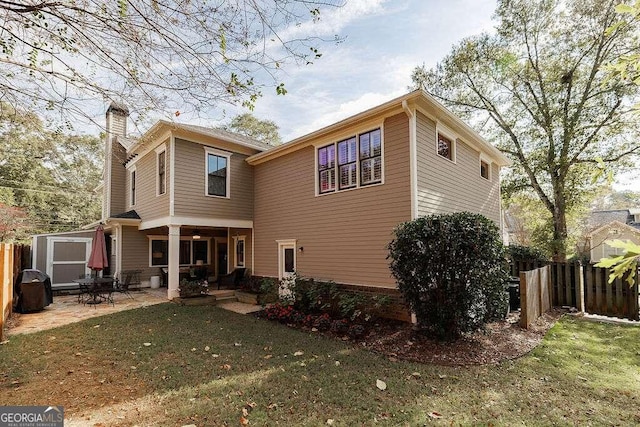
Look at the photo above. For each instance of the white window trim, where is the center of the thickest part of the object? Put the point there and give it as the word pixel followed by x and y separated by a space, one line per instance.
pixel 282 244
pixel 158 151
pixel 237 239
pixel 182 238
pixel 227 155
pixel 486 160
pixel 133 193
pixel 335 142
pixel 450 135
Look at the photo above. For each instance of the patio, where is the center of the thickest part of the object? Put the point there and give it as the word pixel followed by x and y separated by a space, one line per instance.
pixel 66 309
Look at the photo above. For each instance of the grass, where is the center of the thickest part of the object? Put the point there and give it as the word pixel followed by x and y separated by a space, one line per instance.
pixel 102 371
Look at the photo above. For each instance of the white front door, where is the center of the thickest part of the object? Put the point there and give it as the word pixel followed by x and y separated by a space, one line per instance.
pixel 286 264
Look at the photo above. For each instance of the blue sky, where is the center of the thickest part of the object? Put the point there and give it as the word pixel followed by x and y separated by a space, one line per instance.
pixel 384 41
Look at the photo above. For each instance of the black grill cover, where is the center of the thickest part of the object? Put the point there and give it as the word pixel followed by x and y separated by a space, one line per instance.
pixel 32 291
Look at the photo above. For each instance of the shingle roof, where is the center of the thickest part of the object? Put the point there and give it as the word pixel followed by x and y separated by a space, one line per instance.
pixel 226 135
pixel 127 215
pixel 600 218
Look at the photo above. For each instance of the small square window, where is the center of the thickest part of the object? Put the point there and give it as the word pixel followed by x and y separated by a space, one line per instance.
pixel 445 147
pixel 484 169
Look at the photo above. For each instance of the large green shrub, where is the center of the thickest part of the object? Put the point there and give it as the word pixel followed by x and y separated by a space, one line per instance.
pixel 450 269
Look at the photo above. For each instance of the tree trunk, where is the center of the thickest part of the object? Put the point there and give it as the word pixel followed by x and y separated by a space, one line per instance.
pixel 559 243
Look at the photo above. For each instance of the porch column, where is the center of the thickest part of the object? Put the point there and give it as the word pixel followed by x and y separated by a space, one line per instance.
pixel 173 274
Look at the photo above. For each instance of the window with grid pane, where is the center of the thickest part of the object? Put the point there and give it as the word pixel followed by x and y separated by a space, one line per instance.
pixel 326 168
pixel 217 175
pixel 347 163
pixel 445 147
pixel 370 157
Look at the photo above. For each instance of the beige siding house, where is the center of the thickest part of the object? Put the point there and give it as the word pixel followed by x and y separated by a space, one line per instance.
pixel 323 205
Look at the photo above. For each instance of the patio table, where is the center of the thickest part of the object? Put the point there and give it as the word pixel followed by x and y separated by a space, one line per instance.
pixel 98 288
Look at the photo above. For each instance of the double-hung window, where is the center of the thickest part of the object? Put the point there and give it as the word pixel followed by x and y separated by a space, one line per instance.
pixel 370 157
pixel 162 170
pixel 326 168
pixel 217 179
pixel 358 163
pixel 347 163
pixel 132 179
pixel 190 251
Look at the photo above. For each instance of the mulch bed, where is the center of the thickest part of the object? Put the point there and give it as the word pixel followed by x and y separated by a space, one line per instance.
pixel 497 342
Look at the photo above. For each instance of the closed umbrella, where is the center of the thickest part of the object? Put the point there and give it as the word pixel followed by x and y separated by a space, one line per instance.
pixel 98 259
pixel 97 262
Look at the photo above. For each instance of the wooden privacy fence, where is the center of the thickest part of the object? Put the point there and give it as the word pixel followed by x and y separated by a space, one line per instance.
pixel 535 294
pixel 588 289
pixel 13 259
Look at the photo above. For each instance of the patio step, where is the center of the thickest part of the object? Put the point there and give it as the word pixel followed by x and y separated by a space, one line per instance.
pixel 223 294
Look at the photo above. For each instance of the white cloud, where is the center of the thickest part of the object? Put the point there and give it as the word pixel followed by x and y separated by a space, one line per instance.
pixel 333 20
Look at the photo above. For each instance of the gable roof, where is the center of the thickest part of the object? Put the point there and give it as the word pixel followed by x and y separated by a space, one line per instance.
pixel 221 134
pixel 397 103
pixel 600 218
pixel 617 224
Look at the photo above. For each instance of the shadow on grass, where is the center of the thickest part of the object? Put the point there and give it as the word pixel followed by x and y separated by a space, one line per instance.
pixel 168 364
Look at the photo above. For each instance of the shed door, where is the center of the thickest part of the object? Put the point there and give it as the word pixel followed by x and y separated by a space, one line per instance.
pixel 67 259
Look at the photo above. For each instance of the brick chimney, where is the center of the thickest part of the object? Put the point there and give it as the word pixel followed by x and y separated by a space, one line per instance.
pixel 114 173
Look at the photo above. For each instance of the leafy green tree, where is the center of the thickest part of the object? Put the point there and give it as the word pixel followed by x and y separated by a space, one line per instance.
pixel 247 124
pixel 539 86
pixel 48 175
pixel 151 55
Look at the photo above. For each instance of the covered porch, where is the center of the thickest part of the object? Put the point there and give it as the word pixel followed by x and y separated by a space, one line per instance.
pixel 178 252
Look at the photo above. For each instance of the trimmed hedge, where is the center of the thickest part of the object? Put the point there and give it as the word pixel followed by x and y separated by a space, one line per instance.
pixel 451 271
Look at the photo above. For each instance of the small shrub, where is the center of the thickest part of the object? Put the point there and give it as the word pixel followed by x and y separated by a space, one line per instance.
pixel 340 326
pixel 355 331
pixel 450 269
pixel 525 253
pixel 322 322
pixel 280 312
pixel 194 288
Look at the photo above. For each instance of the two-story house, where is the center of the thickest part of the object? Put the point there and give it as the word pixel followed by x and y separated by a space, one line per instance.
pixel 324 205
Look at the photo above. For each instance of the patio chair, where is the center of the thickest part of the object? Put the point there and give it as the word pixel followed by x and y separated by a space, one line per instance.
pixel 128 278
pixel 84 289
pixel 231 280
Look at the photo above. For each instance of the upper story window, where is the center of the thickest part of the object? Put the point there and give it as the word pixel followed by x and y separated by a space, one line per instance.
pixel 326 168
pixel 132 184
pixel 217 173
pixel 485 169
pixel 445 147
pixel 359 162
pixel 370 157
pixel 162 172
pixel 347 163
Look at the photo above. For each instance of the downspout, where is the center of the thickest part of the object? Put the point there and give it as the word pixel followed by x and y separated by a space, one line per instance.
pixel 413 166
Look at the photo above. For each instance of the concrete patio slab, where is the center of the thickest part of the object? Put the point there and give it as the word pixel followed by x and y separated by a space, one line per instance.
pixel 239 307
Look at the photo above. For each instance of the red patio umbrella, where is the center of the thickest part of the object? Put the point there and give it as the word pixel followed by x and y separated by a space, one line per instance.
pixel 98 259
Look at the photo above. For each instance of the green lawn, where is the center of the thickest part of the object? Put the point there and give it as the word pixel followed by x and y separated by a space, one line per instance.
pixel 583 373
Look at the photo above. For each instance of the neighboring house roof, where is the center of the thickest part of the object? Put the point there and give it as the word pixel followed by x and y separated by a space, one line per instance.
pixel 615 224
pixel 211 132
pixel 600 218
pixel 417 96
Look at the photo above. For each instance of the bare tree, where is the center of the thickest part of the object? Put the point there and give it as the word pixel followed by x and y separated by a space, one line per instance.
pixel 161 55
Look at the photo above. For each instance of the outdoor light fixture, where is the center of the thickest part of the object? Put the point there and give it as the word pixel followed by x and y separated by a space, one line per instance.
pixel 196 234
pixel 301 249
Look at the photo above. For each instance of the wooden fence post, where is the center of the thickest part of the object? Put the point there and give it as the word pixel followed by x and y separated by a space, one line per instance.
pixel 580 289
